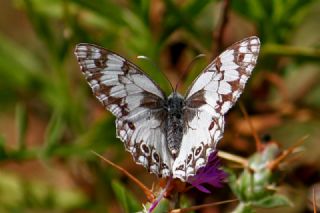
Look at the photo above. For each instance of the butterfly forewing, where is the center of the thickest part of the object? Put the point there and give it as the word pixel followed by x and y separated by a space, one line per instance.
pixel 210 96
pixel 135 100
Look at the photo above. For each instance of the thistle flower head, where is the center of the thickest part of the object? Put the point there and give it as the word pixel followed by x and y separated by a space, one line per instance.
pixel 211 174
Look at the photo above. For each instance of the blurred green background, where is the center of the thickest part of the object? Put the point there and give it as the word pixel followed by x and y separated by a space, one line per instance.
pixel 50 121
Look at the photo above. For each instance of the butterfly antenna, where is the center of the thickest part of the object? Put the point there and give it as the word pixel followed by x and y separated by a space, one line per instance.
pixel 155 66
pixel 186 71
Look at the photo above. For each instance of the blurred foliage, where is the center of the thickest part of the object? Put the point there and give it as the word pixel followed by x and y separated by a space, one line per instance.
pixel 127 201
pixel 255 185
pixel 37 196
pixel 49 121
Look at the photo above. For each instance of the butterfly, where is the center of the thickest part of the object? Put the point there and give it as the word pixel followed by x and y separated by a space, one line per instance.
pixel 170 136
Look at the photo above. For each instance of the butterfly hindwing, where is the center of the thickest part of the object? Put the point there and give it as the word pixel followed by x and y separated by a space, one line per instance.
pixel 210 96
pixel 135 100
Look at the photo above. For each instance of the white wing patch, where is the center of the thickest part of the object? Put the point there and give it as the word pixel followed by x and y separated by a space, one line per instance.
pixel 135 100
pixel 212 94
pixel 145 141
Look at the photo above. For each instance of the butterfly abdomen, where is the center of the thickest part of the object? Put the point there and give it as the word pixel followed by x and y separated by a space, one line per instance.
pixel 174 123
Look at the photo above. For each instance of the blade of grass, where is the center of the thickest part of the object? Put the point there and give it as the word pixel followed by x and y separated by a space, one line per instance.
pixel 53 133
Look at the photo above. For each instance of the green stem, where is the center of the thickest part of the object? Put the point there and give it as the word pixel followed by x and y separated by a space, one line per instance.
pixel 278 49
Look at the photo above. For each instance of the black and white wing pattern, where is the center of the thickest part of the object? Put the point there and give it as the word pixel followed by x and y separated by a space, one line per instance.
pixel 135 100
pixel 142 110
pixel 211 95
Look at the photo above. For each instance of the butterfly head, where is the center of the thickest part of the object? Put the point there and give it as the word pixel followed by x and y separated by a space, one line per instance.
pixel 175 102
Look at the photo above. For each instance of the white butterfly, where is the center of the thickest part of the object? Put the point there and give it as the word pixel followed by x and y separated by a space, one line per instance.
pixel 170 136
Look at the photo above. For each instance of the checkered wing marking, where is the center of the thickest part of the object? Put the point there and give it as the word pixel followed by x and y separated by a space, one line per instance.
pixel 135 100
pixel 211 95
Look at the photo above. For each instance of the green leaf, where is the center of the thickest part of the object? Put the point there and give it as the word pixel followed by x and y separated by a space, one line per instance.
pixel 142 9
pixel 232 181
pixel 125 198
pixel 53 134
pixel 19 67
pixel 177 18
pixel 41 26
pixel 196 7
pixel 106 9
pixel 275 19
pixel 252 9
pixel 273 201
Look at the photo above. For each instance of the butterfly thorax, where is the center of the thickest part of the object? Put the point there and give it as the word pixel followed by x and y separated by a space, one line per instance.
pixel 174 122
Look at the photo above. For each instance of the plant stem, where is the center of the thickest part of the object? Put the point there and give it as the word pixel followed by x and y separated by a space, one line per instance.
pixel 286 50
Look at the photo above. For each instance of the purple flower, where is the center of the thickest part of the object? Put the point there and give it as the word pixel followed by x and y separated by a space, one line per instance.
pixel 210 174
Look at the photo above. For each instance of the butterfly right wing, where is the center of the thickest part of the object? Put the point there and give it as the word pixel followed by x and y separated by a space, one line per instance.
pixel 208 99
pixel 135 100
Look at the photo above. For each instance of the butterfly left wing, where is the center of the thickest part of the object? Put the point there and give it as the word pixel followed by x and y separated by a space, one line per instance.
pixel 135 100
pixel 211 95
